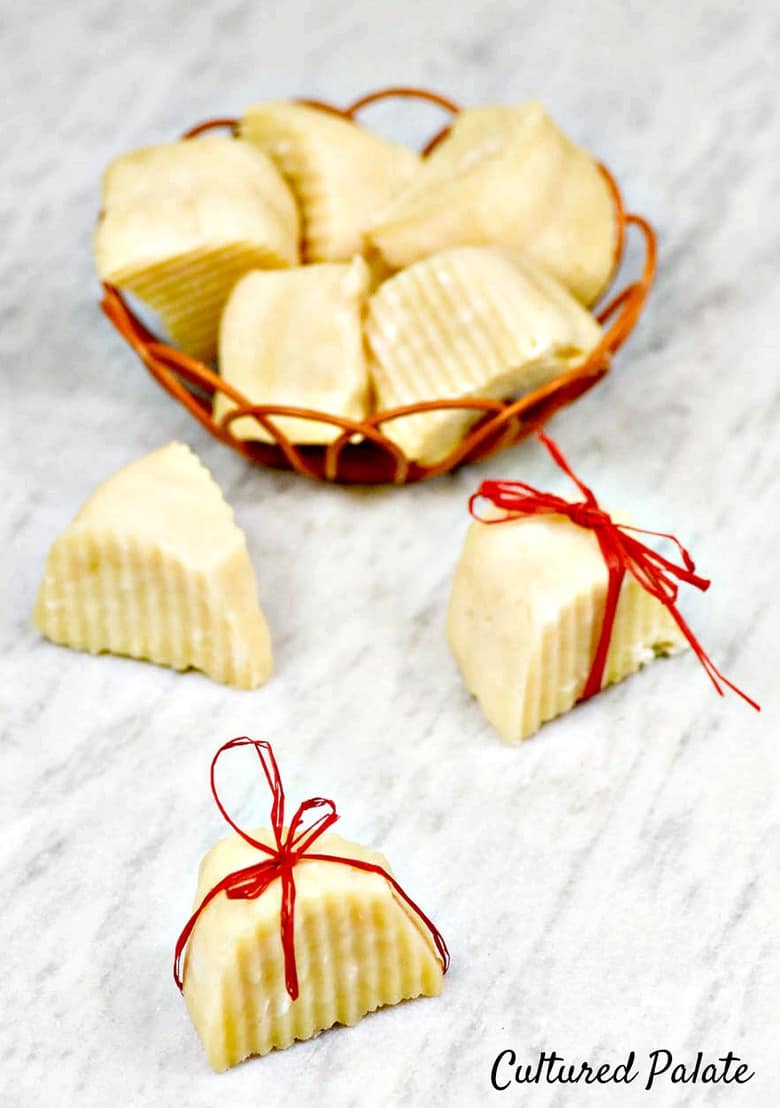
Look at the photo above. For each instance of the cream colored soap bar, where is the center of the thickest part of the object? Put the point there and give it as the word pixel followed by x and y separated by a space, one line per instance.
pixel 475 321
pixel 183 221
pixel 295 337
pixel 357 947
pixel 525 614
pixel 507 176
pixel 341 173
pixel 154 566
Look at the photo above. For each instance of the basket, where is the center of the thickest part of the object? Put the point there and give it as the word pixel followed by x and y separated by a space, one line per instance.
pixel 362 454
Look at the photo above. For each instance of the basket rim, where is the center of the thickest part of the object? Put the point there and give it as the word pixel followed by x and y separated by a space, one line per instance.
pixel 192 383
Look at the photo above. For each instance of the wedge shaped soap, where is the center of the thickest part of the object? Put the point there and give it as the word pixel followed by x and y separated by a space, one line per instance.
pixel 473 321
pixel 340 172
pixel 183 221
pixel 154 567
pixel 295 337
pixel 357 947
pixel 507 176
pixel 525 614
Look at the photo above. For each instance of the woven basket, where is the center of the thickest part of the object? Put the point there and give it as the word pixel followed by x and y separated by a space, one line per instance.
pixel 363 454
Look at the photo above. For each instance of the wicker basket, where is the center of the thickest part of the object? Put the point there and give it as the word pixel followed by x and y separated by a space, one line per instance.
pixel 363 454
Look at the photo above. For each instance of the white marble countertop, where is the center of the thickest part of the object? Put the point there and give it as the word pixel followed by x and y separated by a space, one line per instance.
pixel 611 885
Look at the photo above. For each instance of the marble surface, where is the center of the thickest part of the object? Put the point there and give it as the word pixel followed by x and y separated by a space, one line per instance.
pixel 610 886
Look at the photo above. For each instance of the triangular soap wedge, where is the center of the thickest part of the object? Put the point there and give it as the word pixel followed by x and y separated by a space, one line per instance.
pixel 525 614
pixel 357 947
pixel 183 221
pixel 295 337
pixel 154 566
pixel 507 176
pixel 473 321
pixel 341 173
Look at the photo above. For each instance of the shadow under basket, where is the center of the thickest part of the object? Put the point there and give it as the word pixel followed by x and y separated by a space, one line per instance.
pixel 363 454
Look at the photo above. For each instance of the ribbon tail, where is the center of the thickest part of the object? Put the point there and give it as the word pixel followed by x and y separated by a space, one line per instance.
pixel 370 867
pixel 183 939
pixel 436 935
pixel 707 663
pixel 644 556
pixel 557 456
pixel 287 930
pixel 616 572
pixel 688 562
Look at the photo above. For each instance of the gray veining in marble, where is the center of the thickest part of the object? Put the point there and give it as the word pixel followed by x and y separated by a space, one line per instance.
pixel 611 885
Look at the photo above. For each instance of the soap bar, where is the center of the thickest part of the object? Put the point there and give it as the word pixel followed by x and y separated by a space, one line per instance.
pixel 473 321
pixel 525 613
pixel 154 567
pixel 295 337
pixel 341 173
pixel 357 947
pixel 507 176
pixel 181 222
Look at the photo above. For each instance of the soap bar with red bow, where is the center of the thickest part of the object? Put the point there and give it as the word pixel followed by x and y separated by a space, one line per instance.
pixel 525 611
pixel 555 599
pixel 296 929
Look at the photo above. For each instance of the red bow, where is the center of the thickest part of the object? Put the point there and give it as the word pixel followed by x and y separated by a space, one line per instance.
pixel 293 845
pixel 621 551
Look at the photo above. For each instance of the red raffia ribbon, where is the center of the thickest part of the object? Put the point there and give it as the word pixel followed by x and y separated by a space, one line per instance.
pixel 293 845
pixel 622 553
